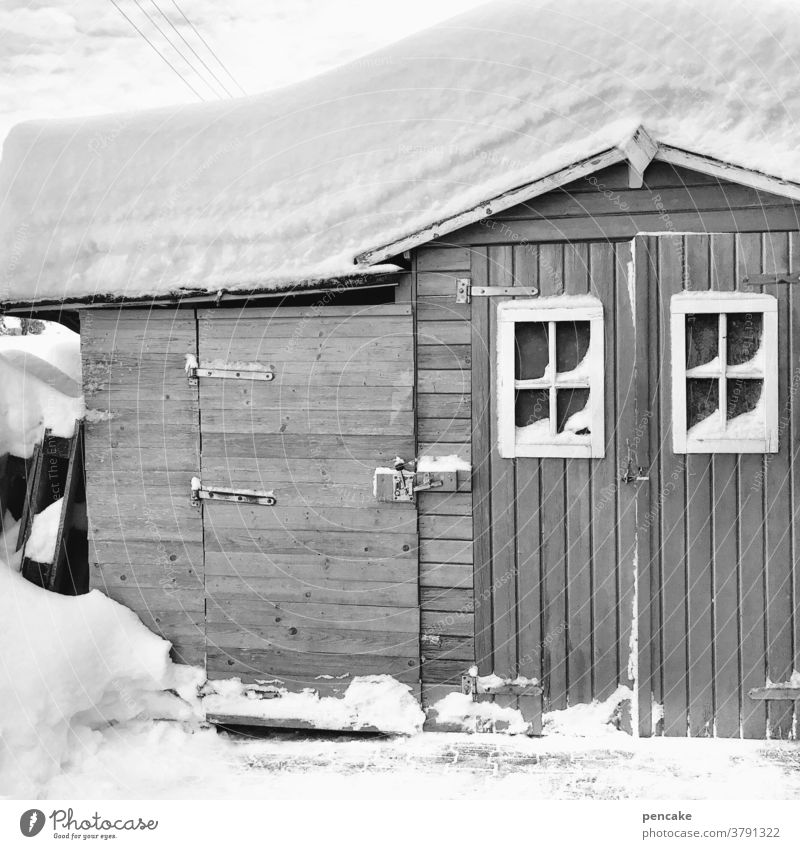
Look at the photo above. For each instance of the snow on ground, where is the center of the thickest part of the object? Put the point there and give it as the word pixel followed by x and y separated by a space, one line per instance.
pixel 41 545
pixel 295 183
pixel 40 377
pixel 164 760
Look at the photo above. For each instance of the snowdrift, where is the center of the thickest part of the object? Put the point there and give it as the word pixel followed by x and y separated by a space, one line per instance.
pixel 293 184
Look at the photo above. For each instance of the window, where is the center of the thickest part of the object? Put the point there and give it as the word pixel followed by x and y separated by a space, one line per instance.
pixel 550 377
pixel 724 373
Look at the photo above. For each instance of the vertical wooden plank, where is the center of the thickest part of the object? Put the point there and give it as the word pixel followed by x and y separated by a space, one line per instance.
pixel 604 492
pixel 791 432
pixel 481 473
pixel 625 358
pixel 643 285
pixel 672 531
pixel 698 539
pixel 504 567
pixel 725 646
pixel 579 526
pixel 778 512
pixel 751 547
pixel 551 265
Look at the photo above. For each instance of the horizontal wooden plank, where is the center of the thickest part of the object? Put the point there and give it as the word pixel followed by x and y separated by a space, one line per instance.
pixel 387 422
pixel 319 589
pixel 154 563
pixel 449 648
pixel 445 527
pixel 303 566
pixel 312 313
pixel 273 352
pixel 351 546
pixel 437 284
pixel 310 636
pixel 267 470
pixel 369 450
pixel 359 326
pixel 462 450
pixel 245 608
pixel 444 503
pixel 444 671
pixel 442 308
pixel 775 693
pixel 447 598
pixel 249 398
pixel 446 575
pixel 435 406
pixel 453 623
pixel 443 333
pixel 187 605
pixel 444 356
pixel 442 258
pixel 249 517
pixel 299 670
pixel 444 381
pixel 443 430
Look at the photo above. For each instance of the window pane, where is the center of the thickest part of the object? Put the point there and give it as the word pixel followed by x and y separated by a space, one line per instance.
pixel 573 411
pixel 744 337
pixel 532 405
pixel 702 400
pixel 532 349
pixel 572 343
pixel 702 339
pixel 743 396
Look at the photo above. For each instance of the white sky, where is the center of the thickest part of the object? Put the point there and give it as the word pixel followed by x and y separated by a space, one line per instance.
pixel 81 57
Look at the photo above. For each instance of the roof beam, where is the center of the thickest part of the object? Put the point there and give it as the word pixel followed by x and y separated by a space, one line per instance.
pixel 579 169
pixel 639 150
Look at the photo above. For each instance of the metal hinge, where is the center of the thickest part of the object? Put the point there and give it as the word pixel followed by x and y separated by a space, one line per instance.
pixel 230 494
pixel 241 371
pixel 465 291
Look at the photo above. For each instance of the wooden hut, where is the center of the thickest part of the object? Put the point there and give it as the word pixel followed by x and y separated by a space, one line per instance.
pixel 584 348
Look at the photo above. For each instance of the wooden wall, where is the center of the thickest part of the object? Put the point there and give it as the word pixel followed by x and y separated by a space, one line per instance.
pixel 142 449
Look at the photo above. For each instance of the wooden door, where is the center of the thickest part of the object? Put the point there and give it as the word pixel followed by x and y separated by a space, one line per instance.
pixel 717 614
pixel 323 585
pixel 555 540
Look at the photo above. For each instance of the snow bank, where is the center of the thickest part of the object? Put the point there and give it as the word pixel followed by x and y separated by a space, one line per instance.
pixel 41 387
pixel 376 701
pixel 589 720
pixel 41 545
pixel 71 664
pixel 295 183
pixel 459 710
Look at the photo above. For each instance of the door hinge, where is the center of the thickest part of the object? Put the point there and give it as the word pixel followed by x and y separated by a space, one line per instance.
pixel 229 371
pixel 465 291
pixel 230 494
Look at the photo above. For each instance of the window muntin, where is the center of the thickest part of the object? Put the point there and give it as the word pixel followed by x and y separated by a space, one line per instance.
pixel 724 372
pixel 550 377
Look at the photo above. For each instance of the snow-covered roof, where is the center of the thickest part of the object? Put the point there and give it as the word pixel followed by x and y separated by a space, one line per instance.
pixel 296 183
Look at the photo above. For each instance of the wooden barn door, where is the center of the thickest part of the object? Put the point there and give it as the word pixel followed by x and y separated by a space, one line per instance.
pixel 716 611
pixel 555 538
pixel 323 585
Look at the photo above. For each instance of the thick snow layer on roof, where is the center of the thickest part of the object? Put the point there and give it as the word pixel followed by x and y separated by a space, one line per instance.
pixel 295 183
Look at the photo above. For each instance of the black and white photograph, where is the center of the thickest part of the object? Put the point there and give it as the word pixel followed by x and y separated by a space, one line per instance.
pixel 399 422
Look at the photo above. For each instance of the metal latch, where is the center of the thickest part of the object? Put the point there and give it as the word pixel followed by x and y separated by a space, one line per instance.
pixel 230 371
pixel 230 494
pixel 465 291
pixel 633 474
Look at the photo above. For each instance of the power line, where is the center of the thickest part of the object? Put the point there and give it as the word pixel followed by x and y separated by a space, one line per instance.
pixel 172 45
pixel 199 57
pixel 209 48
pixel 188 84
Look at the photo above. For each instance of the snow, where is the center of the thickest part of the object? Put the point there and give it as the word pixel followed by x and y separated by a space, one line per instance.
pixel 41 545
pixel 459 710
pixel 794 681
pixel 588 720
pixel 538 433
pixel 749 425
pixel 443 463
pixel 376 701
pixel 293 184
pixel 709 369
pixel 69 666
pixel 40 377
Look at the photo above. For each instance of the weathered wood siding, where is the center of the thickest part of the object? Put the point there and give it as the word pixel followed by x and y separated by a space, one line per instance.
pixel 326 582
pixel 721 593
pixel 142 444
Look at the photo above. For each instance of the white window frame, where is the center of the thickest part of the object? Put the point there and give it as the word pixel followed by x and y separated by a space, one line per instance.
pixel 550 310
pixel 722 303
